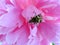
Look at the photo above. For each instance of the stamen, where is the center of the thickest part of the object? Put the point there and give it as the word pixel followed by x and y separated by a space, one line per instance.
pixel 36 19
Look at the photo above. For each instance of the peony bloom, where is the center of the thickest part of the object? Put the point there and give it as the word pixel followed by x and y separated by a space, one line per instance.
pixel 29 22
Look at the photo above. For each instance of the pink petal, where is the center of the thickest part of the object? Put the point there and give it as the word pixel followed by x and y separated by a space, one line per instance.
pixel 50 8
pixel 29 12
pixel 34 41
pixel 11 18
pixel 33 38
pixel 57 43
pixel 49 30
pixel 19 36
pixel 44 42
pixel 52 11
pixel 2 37
pixel 23 38
pixel 2 4
pixel 11 38
pixel 8 2
pixel 5 30
pixel 2 12
pixel 24 3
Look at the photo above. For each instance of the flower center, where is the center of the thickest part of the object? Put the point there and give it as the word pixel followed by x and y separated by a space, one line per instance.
pixel 36 19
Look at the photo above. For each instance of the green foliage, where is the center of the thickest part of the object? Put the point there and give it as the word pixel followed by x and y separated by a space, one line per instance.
pixel 53 44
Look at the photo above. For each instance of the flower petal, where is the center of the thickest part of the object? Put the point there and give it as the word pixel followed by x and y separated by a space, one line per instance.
pixel 12 37
pixel 10 19
pixel 23 36
pixel 2 4
pixel 5 30
pixel 33 38
pixel 49 30
pixel 44 42
pixel 25 3
pixel 51 9
pixel 2 12
pixel 2 38
pixel 30 12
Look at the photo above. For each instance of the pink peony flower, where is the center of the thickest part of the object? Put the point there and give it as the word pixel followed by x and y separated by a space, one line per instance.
pixel 29 22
